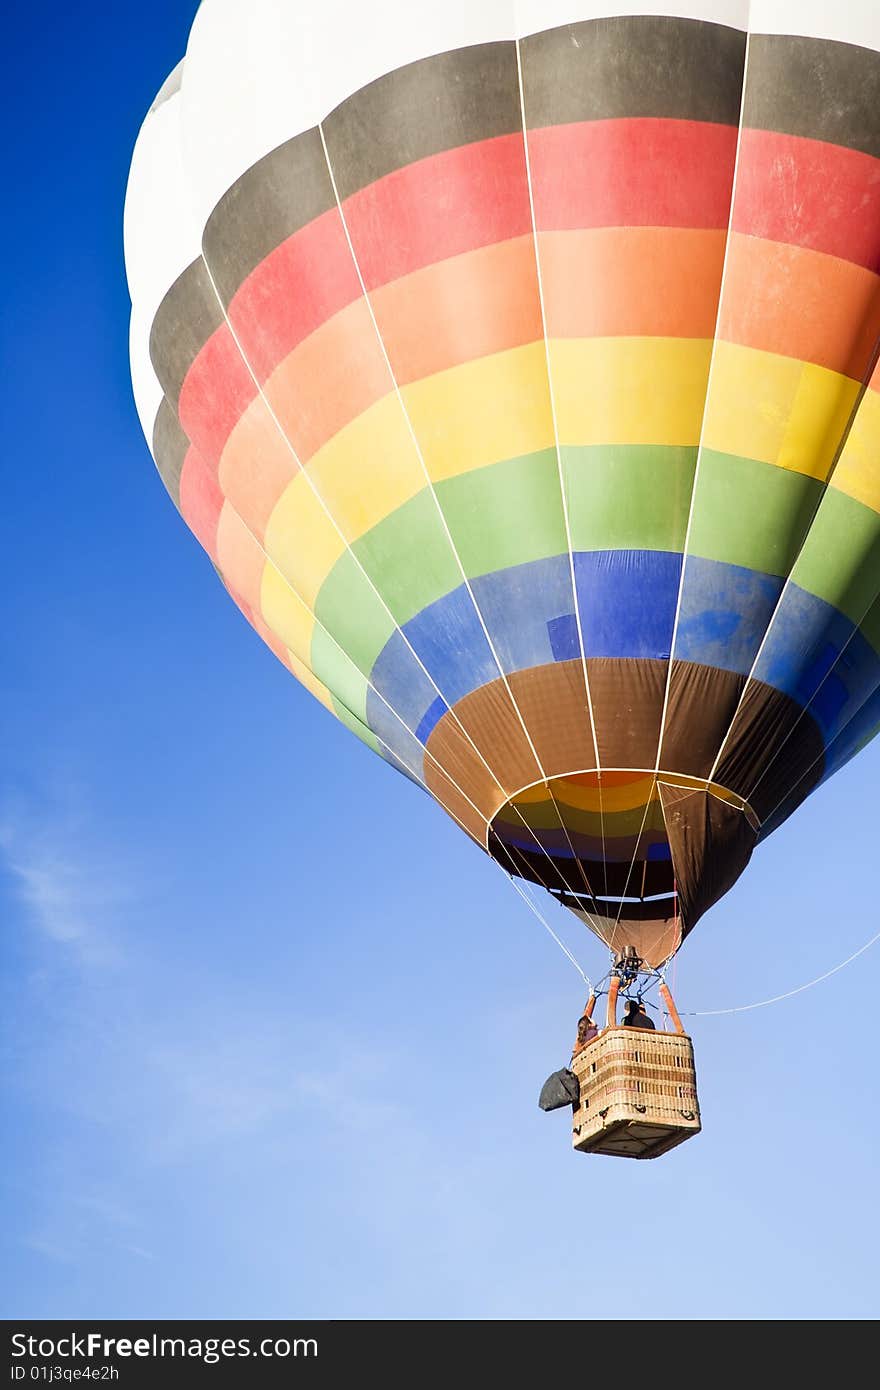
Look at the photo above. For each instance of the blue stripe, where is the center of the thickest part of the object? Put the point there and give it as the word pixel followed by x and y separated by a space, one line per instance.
pixel 724 614
pixel 449 641
pixel 818 657
pixel 627 601
pixel 434 714
pixel 529 613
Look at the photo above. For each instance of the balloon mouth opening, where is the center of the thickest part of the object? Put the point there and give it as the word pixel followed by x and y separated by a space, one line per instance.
pixel 631 848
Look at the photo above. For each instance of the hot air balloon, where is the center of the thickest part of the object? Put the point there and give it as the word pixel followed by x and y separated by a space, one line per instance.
pixel 516 366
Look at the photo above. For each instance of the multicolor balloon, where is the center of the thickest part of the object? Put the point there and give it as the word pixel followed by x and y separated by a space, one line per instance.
pixel 516 365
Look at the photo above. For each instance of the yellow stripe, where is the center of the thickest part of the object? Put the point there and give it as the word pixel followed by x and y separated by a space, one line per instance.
pixel 369 469
pixel 858 470
pixel 301 540
pixel 483 411
pixel 629 390
pixel 625 796
pixel 612 799
pixel 607 390
pixel 285 614
pixel 311 682
pixel 777 409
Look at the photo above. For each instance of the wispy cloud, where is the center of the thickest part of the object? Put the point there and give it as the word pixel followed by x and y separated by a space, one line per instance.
pixel 165 1081
pixel 70 895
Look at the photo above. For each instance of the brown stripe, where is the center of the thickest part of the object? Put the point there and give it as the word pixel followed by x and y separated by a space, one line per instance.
pixel 711 844
pixel 277 196
pixel 815 88
pixel 702 708
pixel 169 449
pixel 773 745
pixel 436 104
pixel 702 701
pixel 184 322
pixel 602 69
pixel 627 697
pixel 553 704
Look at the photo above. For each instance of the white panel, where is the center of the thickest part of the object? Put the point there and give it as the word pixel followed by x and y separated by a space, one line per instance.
pixel 261 71
pixel 158 230
pixel 160 239
pixel 847 21
pixel 535 15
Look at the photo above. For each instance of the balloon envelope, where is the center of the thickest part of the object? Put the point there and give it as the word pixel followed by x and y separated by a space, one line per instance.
pixel 516 366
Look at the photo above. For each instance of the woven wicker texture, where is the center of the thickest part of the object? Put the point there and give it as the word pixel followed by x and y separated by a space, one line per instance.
pixel 638 1093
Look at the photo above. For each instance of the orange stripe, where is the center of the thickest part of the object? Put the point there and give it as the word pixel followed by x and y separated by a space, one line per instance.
pixel 255 466
pixel 240 558
pixel 655 281
pixel 660 282
pixel 470 306
pixel 331 377
pixel 799 303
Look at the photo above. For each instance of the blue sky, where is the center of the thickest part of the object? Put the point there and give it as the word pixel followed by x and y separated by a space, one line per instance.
pixel 246 1076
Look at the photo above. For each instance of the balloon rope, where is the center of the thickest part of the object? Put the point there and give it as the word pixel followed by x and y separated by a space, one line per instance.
pixel 632 863
pixel 703 1013
pixel 743 1008
pixel 547 927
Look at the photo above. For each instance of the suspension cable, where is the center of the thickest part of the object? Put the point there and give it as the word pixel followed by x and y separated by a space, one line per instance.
pixel 789 994
pixel 547 927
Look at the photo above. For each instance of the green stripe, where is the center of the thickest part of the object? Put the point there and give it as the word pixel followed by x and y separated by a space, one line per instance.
pixel 409 558
pixel 619 497
pixel 505 514
pixel 751 514
pixel 840 561
pixel 333 668
pixel 628 497
pixel 349 608
pixel 351 722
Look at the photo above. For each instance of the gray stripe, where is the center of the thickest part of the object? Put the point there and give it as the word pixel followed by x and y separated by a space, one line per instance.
pixel 170 445
pixel 184 322
pixel 638 66
pixel 275 198
pixel 814 88
pixel 437 104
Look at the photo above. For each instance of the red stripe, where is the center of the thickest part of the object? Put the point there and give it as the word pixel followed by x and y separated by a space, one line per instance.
pixel 296 288
pixel 641 172
pixel 438 207
pixel 593 174
pixel 201 501
pixel 217 389
pixel 632 173
pixel 811 194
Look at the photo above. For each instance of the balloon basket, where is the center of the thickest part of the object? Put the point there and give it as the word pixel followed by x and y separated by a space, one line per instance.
pixel 638 1093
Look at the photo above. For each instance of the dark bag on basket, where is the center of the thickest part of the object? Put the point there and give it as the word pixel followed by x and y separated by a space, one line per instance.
pixel 562 1088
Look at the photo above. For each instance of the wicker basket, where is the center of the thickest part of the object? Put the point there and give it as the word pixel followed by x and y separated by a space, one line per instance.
pixel 638 1093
